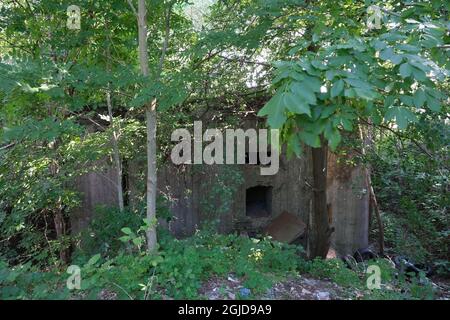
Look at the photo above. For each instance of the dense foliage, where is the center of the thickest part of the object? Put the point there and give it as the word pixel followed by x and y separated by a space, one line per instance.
pixel 411 178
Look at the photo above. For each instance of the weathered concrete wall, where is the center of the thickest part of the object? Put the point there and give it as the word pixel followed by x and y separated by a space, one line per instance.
pixel 96 188
pixel 347 193
pixel 176 184
pixel 186 187
pixel 291 190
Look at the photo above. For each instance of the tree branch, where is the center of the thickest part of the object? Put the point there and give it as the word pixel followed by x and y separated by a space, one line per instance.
pixel 245 61
pixel 165 43
pixel 7 146
pixel 133 8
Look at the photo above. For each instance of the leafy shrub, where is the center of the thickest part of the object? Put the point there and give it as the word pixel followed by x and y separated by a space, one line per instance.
pixel 102 235
pixel 188 262
pixel 27 282
pixel 105 232
pixel 177 270
pixel 333 269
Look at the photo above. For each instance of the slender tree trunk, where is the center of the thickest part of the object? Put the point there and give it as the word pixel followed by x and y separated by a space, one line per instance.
pixel 320 232
pixel 150 115
pixel 115 136
pixel 60 228
pixel 151 174
pixel 374 201
pixel 58 214
pixel 116 152
pixel 367 141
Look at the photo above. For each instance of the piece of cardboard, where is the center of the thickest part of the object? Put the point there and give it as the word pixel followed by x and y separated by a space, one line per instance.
pixel 286 227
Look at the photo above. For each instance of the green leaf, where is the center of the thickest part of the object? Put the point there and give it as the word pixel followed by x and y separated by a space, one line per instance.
pixel 125 238
pixel 290 73
pixel 433 104
pixel 337 88
pixel 333 136
pixel 407 100
pixel 318 65
pixel 402 116
pixel 350 93
pixel 327 111
pixel 366 94
pixel 310 139
pixel 296 104
pixel 389 54
pixel 347 124
pixel 419 98
pixel 147 222
pixel 137 241
pixel 419 75
pixel 301 90
pixel 294 145
pixel 281 76
pixel 312 83
pixel 389 101
pixel 378 45
pixel 275 110
pixel 408 47
pixel 93 260
pixel 330 74
pixel 358 83
pixel 126 230
pixel 405 70
pixel 377 118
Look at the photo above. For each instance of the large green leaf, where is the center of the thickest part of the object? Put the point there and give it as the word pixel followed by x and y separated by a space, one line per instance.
pixel 303 91
pixel 294 144
pixel 275 111
pixel 389 54
pixel 419 98
pixel 310 139
pixel 433 104
pixel 337 88
pixel 333 136
pixel 296 104
pixel 405 70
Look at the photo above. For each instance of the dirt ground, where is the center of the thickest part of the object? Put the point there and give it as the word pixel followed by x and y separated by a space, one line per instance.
pixel 296 288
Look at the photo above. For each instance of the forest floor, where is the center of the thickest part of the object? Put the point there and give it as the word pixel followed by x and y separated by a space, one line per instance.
pixel 300 287
pixel 294 288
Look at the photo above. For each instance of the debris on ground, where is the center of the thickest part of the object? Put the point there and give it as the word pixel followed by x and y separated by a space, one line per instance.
pixel 294 288
pixel 303 288
pixel 286 228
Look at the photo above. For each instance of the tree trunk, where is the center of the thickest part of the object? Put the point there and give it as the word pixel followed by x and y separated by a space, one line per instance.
pixel 115 137
pixel 151 175
pixel 116 153
pixel 60 228
pixel 367 140
pixel 374 202
pixel 320 232
pixel 150 114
